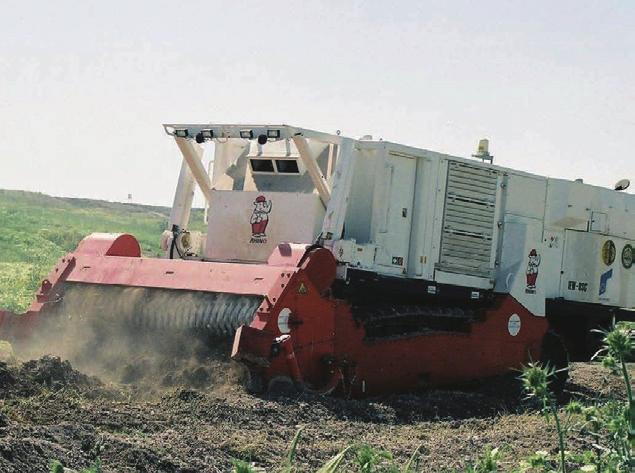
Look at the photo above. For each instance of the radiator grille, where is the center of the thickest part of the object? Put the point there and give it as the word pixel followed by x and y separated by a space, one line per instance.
pixel 469 220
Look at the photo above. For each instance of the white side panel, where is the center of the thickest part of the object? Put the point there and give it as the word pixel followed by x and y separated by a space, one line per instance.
pixel 526 195
pixel 594 270
pixel 355 255
pixel 462 280
pixel 359 211
pixel 421 264
pixel 246 226
pixel 393 214
pixel 437 220
pixel 522 272
pixel 576 206
pixel 552 251
pixel 568 205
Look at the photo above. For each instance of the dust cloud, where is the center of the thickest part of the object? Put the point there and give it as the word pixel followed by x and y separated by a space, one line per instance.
pixel 131 336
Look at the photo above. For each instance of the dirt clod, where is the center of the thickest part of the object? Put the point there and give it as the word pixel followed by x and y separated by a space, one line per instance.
pixel 52 372
pixel 46 373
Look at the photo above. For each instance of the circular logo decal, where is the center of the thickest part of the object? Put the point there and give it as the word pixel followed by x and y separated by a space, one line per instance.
pixel 627 256
pixel 608 252
pixel 513 325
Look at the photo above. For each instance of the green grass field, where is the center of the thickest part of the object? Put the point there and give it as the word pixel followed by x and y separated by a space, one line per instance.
pixel 38 229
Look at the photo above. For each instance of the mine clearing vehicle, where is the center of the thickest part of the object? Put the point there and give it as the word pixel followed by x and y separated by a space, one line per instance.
pixel 361 267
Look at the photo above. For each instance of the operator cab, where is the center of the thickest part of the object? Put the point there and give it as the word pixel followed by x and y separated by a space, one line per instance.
pixel 261 190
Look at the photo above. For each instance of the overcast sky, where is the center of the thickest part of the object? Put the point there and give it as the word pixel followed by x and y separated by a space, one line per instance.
pixel 85 86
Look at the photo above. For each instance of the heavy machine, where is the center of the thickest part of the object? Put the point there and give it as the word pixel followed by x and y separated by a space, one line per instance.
pixel 360 267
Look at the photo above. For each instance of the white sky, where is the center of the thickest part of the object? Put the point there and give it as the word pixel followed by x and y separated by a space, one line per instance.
pixel 85 85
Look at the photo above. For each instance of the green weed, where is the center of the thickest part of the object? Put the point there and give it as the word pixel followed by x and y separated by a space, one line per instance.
pixel 56 467
pixel 288 464
pixel 335 462
pixel 368 458
pixel 241 466
pixel 487 463
pixel 611 423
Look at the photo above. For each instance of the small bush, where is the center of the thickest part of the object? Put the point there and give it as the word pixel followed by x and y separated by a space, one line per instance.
pixel 56 467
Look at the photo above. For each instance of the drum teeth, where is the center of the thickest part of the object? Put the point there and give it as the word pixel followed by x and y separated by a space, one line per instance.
pixel 216 314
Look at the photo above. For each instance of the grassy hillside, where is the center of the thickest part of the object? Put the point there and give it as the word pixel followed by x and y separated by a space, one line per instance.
pixel 37 229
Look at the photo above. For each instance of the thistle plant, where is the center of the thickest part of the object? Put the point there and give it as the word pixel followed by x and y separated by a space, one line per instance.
pixel 611 423
pixel 617 350
pixel 614 422
pixel 536 379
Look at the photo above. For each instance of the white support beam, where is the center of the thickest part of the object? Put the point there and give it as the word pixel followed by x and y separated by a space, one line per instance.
pixel 313 169
pixel 330 166
pixel 182 205
pixel 192 154
pixel 342 179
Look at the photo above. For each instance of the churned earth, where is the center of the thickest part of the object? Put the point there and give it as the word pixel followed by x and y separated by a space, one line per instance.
pixel 193 421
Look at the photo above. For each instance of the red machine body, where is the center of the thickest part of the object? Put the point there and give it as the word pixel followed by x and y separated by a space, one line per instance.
pixel 300 331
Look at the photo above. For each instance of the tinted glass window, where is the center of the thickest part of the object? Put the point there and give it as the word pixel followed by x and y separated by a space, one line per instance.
pixel 287 166
pixel 262 165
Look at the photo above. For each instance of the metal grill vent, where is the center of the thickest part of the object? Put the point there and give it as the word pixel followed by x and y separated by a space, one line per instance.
pixel 468 221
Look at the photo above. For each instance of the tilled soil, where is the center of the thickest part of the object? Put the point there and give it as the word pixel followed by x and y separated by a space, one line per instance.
pixel 49 411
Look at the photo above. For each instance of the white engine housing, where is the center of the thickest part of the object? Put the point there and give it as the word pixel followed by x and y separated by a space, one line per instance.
pixel 405 212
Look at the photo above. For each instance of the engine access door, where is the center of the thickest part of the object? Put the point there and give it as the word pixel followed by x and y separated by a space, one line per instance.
pixel 393 212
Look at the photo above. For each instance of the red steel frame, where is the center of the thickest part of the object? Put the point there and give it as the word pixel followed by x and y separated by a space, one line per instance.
pixel 325 349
